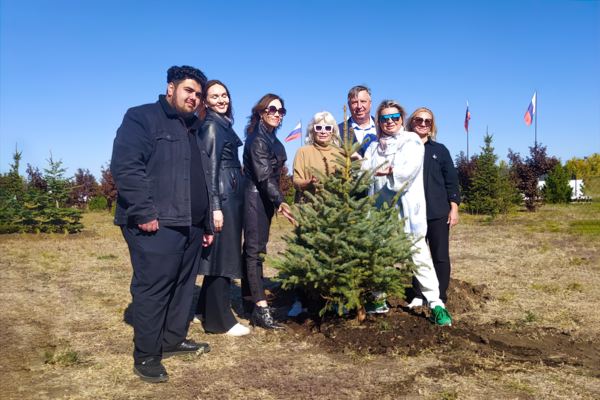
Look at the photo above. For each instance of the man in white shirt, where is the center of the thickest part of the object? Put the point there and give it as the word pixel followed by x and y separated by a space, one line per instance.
pixel 361 126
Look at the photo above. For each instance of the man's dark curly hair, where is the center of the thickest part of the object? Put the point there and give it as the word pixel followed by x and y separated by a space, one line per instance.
pixel 176 74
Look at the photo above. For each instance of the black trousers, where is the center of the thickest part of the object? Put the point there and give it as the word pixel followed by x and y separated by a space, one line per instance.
pixel 258 213
pixel 214 304
pixel 438 238
pixel 162 286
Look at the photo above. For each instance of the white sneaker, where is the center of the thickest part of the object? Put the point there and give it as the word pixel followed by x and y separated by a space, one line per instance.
pixel 238 330
pixel 416 302
pixel 197 319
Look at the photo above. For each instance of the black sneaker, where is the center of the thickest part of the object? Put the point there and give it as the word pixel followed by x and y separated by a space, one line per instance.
pixel 186 347
pixel 263 317
pixel 151 370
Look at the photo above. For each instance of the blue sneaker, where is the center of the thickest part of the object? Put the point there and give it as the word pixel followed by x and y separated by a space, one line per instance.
pixel 296 309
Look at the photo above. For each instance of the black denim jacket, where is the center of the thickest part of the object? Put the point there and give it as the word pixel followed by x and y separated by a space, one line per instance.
pixel 151 166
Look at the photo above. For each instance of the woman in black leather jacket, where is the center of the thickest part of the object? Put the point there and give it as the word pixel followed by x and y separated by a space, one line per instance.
pixel 264 157
pixel 221 262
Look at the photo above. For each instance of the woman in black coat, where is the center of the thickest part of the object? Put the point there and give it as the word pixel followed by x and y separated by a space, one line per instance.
pixel 264 157
pixel 221 262
pixel 442 197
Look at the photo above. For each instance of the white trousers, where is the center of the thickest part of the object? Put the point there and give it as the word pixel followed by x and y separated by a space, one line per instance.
pixel 425 274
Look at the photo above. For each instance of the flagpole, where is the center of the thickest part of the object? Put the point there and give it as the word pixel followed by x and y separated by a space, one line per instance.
pixel 467 131
pixel 535 116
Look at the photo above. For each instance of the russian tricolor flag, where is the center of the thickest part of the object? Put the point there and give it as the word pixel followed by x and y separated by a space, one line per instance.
pixel 467 118
pixel 295 133
pixel 530 110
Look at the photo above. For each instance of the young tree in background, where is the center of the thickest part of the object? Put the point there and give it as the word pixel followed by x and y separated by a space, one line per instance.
pixel 526 173
pixel 35 179
pixel 84 188
pixel 491 192
pixel 557 189
pixel 286 185
pixel 465 169
pixel 12 194
pixel 108 187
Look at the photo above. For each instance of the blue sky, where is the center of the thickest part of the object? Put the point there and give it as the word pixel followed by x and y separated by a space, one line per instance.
pixel 70 69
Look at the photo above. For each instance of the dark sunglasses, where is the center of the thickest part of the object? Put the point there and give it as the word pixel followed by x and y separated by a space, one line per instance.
pixel 271 110
pixel 419 121
pixel 324 128
pixel 394 117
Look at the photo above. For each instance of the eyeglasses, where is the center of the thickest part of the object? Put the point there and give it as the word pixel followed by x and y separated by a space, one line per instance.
pixel 271 110
pixel 419 121
pixel 394 117
pixel 323 128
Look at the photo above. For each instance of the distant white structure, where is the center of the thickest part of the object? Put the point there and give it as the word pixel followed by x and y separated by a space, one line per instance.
pixel 576 189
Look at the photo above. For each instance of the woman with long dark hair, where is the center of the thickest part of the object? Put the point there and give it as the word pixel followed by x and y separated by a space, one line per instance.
pixel 264 158
pixel 221 262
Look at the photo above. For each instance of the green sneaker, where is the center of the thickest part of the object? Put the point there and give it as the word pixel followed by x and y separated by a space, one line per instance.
pixel 377 305
pixel 440 316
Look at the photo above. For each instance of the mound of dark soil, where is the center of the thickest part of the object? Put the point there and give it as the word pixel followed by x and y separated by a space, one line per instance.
pixel 405 332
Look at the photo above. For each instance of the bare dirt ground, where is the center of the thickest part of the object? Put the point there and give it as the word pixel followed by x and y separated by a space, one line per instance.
pixel 524 300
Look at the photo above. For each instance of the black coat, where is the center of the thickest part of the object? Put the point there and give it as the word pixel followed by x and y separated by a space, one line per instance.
pixel 440 179
pixel 150 164
pixel 226 193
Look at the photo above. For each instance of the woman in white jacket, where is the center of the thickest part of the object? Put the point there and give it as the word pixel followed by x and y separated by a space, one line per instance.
pixel 397 157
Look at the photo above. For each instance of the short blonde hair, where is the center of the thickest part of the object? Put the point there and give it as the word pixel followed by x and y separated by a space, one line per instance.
pixel 323 117
pixel 433 131
pixel 388 104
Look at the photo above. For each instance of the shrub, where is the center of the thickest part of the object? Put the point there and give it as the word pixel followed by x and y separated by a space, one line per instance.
pixel 98 203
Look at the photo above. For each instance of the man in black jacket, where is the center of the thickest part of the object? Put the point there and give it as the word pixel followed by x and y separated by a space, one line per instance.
pixel 163 211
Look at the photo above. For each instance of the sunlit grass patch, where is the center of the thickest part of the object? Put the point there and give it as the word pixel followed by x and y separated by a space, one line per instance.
pixel 506 297
pixel 549 288
pixel 448 395
pixel 575 287
pixel 520 386
pixel 530 317
pixel 585 227
pixel 64 357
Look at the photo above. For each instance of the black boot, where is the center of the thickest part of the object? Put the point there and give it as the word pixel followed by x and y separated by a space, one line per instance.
pixel 262 316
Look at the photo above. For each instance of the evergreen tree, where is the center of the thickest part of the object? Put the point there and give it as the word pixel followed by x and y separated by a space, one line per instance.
pixel 557 189
pixel 12 194
pixel 58 185
pixel 491 190
pixel 343 248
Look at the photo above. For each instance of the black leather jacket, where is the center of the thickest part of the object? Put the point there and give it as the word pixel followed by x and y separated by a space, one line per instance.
pixel 264 158
pixel 221 143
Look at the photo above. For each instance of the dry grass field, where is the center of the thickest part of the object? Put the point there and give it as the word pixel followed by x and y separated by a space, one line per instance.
pixel 531 331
